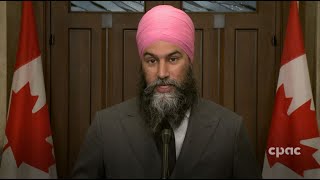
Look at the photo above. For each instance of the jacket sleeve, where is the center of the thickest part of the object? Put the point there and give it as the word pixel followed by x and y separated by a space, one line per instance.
pixel 90 159
pixel 245 163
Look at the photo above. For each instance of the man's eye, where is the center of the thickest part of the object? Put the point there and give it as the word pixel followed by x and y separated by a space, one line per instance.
pixel 173 59
pixel 151 61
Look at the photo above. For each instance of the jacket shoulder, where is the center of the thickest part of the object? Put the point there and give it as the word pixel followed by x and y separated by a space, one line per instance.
pixel 217 110
pixel 124 107
pixel 116 112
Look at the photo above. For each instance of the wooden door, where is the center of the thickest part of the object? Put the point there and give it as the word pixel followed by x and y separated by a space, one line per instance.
pixel 94 64
pixel 250 66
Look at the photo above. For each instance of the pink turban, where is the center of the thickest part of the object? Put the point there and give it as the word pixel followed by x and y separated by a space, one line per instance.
pixel 166 23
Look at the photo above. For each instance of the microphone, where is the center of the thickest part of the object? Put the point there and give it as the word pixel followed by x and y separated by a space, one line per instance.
pixel 166 137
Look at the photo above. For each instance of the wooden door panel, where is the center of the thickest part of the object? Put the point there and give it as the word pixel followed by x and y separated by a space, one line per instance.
pixel 79 89
pixel 131 63
pixel 198 58
pixel 115 68
pixel 75 81
pixel 212 74
pixel 251 33
pixel 59 89
pixel 122 51
pixel 206 64
pixel 245 87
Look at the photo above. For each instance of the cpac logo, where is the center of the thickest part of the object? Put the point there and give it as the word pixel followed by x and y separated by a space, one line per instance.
pixel 279 151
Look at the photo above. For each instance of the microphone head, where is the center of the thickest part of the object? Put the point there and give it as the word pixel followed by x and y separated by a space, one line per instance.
pixel 166 136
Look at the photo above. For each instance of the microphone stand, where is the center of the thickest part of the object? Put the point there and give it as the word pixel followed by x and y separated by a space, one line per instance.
pixel 165 136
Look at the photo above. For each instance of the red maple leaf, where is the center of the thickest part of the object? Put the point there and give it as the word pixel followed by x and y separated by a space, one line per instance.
pixel 288 131
pixel 27 132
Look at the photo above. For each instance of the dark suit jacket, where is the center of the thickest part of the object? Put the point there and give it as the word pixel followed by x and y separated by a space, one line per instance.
pixel 118 145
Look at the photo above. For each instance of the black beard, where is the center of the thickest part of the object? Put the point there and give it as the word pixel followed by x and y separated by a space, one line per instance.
pixel 172 109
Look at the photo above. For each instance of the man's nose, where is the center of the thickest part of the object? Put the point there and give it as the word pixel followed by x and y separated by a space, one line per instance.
pixel 163 69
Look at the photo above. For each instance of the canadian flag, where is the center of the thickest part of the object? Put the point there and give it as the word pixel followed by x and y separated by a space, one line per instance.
pixel 293 143
pixel 28 151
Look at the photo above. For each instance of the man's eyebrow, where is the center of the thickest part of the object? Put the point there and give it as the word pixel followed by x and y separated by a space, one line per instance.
pixel 174 52
pixel 170 54
pixel 147 53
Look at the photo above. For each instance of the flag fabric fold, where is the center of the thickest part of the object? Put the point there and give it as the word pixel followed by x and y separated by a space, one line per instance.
pixel 293 143
pixel 28 148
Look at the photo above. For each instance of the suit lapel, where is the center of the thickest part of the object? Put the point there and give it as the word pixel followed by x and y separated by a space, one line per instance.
pixel 201 127
pixel 142 143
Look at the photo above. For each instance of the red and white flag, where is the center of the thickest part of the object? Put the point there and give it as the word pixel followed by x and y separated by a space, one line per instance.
pixel 293 143
pixel 28 151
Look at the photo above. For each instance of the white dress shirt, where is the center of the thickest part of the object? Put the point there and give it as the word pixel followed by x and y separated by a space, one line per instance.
pixel 180 133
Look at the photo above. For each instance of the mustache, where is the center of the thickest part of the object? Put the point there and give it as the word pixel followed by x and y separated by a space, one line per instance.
pixel 161 82
pixel 171 107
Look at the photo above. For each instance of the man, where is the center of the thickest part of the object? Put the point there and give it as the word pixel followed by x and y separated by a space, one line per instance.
pixel 125 141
